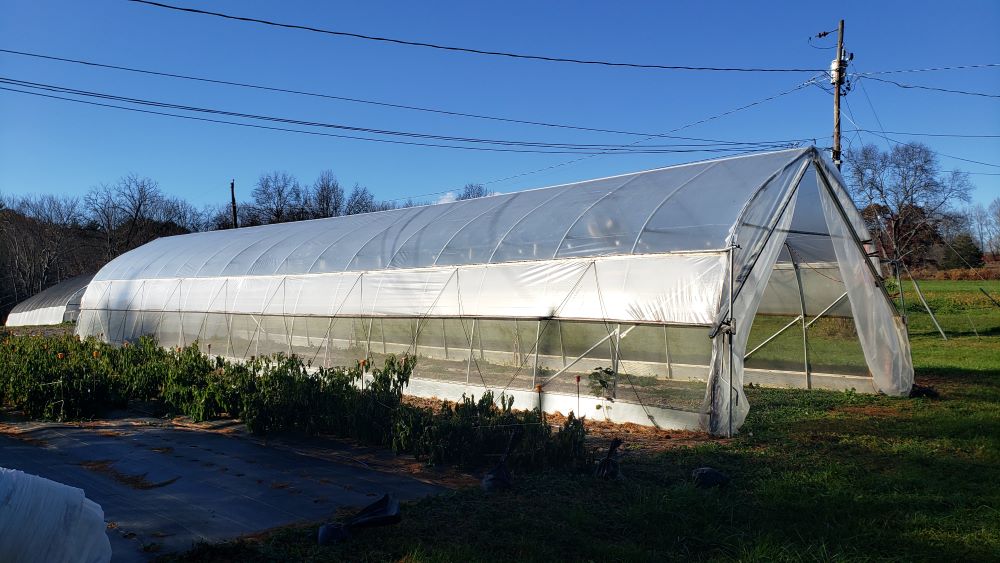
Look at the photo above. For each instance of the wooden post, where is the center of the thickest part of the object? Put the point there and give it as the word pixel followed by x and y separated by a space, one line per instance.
pixel 232 194
pixel 838 78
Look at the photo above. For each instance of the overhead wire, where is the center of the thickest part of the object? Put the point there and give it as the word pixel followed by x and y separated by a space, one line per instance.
pixel 850 116
pixel 556 148
pixel 929 69
pixel 931 88
pixel 913 134
pixel 963 159
pixel 747 148
pixel 884 135
pixel 285 129
pixel 346 98
pixel 674 130
pixel 469 50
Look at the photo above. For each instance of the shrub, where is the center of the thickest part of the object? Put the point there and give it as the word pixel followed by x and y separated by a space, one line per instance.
pixel 57 378
pixel 60 378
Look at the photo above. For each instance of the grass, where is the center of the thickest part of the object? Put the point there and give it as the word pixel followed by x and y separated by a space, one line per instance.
pixel 817 475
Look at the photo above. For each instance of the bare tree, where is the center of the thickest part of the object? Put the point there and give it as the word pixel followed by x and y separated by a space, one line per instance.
pixel 275 197
pixel 128 214
pixel 327 196
pixel 980 226
pixel 993 228
pixel 41 243
pixel 904 196
pixel 361 200
pixel 105 215
pixel 473 191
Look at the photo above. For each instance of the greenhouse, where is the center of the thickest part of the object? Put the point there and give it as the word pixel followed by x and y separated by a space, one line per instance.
pixel 55 305
pixel 650 297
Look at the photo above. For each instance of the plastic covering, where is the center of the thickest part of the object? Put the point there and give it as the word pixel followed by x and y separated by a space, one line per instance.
pixel 514 291
pixel 48 522
pixel 885 344
pixel 651 212
pixel 55 305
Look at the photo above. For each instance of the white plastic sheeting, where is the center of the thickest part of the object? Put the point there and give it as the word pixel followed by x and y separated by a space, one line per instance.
pixel 40 316
pixel 48 522
pixel 652 212
pixel 757 240
pixel 665 288
pixel 55 305
pixel 882 334
pixel 649 248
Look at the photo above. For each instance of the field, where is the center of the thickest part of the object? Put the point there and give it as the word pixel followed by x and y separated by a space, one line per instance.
pixel 817 475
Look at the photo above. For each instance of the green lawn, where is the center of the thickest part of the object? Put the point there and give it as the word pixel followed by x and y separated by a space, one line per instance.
pixel 817 475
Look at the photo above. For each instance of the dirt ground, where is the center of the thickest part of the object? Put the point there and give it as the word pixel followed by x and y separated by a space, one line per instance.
pixel 636 438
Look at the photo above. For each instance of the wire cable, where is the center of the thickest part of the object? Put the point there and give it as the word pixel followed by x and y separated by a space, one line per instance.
pixel 674 130
pixel 939 153
pixel 932 88
pixel 957 135
pixel 929 69
pixel 470 50
pixel 317 133
pixel 570 147
pixel 348 99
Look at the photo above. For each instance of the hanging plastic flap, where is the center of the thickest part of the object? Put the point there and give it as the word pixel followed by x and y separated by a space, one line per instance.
pixel 726 405
pixel 882 334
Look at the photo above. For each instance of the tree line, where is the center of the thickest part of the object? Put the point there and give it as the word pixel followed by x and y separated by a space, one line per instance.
pixel 914 208
pixel 46 238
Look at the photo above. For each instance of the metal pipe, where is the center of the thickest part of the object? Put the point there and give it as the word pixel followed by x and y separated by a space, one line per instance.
pixel 923 301
pixel 732 329
pixel 773 336
pixel 666 349
pixel 472 340
pixel 581 356
pixel 802 316
pixel 616 358
pixel 534 369
pixel 825 311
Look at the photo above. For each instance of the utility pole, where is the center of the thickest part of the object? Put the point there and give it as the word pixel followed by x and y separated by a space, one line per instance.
pixel 232 193
pixel 837 71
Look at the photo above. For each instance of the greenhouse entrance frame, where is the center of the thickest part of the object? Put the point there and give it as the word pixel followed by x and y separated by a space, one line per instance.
pixel 627 313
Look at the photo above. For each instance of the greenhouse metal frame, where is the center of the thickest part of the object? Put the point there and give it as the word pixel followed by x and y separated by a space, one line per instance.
pixel 633 298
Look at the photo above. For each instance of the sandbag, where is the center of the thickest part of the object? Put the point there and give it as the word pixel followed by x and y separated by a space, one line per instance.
pixel 48 522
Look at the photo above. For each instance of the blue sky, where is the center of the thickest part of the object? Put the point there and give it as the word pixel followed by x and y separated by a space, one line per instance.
pixel 49 146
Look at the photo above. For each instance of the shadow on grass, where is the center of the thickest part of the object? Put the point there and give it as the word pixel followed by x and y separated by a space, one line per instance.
pixel 816 476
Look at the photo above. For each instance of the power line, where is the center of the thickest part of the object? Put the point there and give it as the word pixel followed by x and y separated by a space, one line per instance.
pixel 874 113
pixel 942 154
pixel 470 50
pixel 544 148
pixel 957 135
pixel 536 144
pixel 884 136
pixel 257 126
pixel 929 69
pixel 350 99
pixel 689 125
pixel 682 127
pixel 939 153
pixel 932 88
